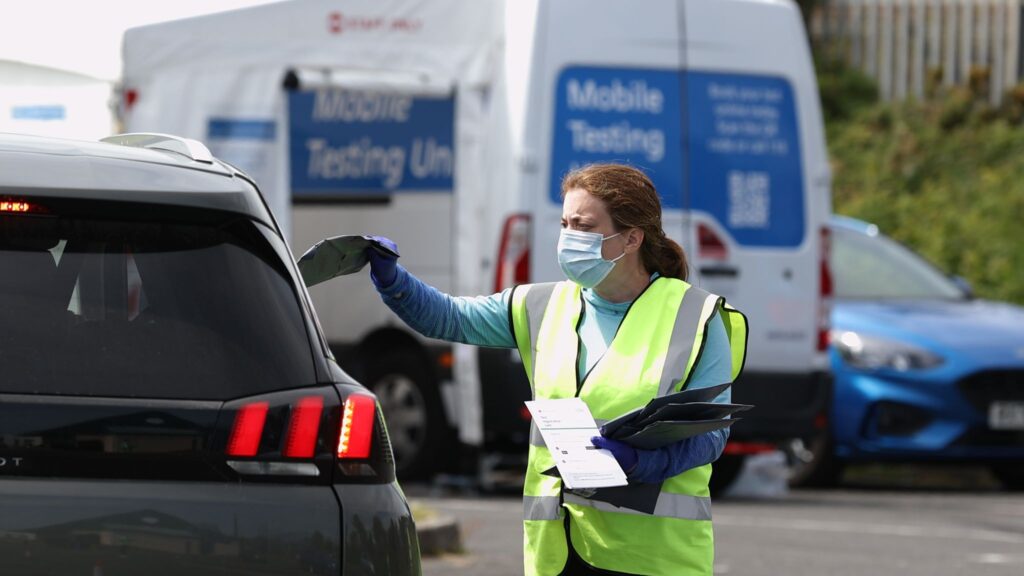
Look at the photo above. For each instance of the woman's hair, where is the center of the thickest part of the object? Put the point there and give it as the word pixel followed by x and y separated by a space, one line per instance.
pixel 632 202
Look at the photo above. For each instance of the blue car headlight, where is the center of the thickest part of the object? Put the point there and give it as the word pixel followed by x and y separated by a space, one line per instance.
pixel 872 353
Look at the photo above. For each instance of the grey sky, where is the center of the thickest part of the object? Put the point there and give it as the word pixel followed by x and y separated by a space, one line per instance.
pixel 86 36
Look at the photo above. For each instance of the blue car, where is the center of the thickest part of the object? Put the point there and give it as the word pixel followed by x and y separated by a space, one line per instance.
pixel 923 370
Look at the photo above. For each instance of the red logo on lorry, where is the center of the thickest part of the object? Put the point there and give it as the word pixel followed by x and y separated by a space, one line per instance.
pixel 338 23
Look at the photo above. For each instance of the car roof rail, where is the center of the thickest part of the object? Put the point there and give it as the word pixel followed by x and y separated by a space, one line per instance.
pixel 192 149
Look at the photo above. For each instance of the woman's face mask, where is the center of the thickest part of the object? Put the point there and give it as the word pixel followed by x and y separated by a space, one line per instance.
pixel 579 255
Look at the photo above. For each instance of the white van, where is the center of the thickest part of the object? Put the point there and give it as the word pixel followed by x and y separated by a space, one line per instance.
pixel 447 125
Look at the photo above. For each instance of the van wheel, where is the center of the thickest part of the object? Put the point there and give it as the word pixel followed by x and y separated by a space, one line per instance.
pixel 724 472
pixel 1011 475
pixel 412 409
pixel 815 463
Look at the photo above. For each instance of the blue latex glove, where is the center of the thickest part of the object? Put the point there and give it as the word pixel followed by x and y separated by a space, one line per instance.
pixel 383 261
pixel 625 455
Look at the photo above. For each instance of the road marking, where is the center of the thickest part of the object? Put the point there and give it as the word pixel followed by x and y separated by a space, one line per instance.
pixel 875 529
pixel 996 558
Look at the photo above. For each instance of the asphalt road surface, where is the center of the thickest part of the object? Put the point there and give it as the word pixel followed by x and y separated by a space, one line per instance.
pixel 802 533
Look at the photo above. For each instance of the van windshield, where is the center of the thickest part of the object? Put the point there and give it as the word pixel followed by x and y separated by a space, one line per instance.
pixel 875 267
pixel 154 309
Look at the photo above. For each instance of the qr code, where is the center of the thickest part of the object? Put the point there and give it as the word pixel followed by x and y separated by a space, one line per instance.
pixel 749 199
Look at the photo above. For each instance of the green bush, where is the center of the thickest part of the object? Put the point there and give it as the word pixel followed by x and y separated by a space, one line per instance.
pixel 844 91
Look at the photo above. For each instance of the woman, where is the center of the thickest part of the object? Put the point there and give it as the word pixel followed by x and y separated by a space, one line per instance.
pixel 625 329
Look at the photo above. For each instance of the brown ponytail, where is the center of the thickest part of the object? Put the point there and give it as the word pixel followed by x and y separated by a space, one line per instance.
pixel 632 202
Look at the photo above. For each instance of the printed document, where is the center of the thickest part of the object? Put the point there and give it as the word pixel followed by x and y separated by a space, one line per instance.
pixel 567 427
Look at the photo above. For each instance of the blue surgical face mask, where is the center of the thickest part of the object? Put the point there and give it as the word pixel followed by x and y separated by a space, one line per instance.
pixel 579 255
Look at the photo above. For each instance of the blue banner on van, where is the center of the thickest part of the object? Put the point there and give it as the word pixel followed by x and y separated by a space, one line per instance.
pixel 358 143
pixel 48 112
pixel 241 129
pixel 742 161
pixel 620 115
pixel 745 158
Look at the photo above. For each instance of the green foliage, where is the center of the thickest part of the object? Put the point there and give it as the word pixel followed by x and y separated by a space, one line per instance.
pixel 844 91
pixel 945 177
pixel 807 7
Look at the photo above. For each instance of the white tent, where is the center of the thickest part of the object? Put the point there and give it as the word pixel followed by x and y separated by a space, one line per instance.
pixel 51 102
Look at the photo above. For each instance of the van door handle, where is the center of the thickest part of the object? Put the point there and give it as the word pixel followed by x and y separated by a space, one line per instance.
pixel 719 271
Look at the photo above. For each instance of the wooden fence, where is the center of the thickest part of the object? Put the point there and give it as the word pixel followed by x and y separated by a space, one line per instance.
pixel 909 46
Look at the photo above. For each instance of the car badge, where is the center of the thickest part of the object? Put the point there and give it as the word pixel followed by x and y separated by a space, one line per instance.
pixel 10 462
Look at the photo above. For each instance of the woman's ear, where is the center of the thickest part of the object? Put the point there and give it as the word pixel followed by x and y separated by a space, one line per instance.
pixel 634 239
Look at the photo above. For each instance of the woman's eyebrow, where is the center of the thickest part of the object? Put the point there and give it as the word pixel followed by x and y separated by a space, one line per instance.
pixel 576 218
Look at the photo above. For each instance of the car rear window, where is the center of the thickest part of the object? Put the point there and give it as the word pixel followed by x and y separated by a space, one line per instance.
pixel 194 307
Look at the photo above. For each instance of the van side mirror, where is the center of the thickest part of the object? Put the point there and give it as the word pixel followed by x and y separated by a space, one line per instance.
pixel 964 286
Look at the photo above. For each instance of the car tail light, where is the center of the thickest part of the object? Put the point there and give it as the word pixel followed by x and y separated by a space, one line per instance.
pixel 356 431
pixel 20 206
pixel 825 290
pixel 300 442
pixel 248 429
pixel 524 414
pixel 735 448
pixel 326 434
pixel 514 253
pixel 711 246
pixel 131 96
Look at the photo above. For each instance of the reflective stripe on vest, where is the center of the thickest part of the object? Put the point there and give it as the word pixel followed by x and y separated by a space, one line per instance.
pixel 542 508
pixel 528 304
pixel 669 506
pixel 685 343
pixel 658 343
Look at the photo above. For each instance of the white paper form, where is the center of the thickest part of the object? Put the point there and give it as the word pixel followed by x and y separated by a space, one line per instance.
pixel 567 427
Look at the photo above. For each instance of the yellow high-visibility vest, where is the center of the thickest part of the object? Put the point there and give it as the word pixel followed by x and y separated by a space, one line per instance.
pixel 653 353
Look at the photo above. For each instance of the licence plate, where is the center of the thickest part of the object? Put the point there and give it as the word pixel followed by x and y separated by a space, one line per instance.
pixel 1006 416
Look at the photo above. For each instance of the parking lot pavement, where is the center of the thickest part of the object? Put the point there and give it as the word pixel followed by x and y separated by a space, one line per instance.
pixel 865 532
pixel 492 535
pixel 835 532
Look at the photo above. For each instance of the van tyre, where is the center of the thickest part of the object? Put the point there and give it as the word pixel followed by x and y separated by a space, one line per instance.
pixel 1010 474
pixel 411 403
pixel 815 464
pixel 724 472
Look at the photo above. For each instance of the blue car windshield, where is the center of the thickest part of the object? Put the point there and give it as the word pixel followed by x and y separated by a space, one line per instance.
pixel 876 267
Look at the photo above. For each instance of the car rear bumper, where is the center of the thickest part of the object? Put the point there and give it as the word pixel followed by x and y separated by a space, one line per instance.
pixel 379 533
pixel 113 528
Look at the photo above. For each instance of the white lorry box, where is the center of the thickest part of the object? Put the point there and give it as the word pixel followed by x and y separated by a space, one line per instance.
pixel 44 101
pixel 447 126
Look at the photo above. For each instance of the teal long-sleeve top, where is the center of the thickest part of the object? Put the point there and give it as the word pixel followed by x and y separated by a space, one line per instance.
pixel 484 321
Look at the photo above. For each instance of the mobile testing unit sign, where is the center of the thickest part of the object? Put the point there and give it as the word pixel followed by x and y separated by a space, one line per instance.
pixel 353 142
pixel 619 115
pixel 735 154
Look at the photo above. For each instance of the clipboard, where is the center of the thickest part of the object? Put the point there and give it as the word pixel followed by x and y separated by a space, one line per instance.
pixel 702 395
pixel 667 432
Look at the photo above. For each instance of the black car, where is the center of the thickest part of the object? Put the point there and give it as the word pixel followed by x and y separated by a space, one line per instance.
pixel 168 404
